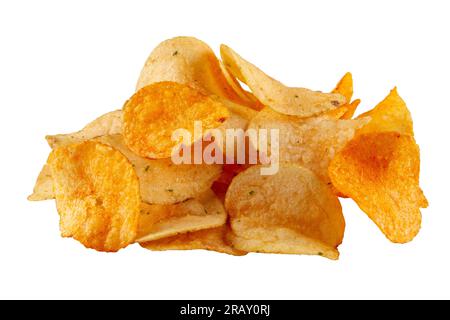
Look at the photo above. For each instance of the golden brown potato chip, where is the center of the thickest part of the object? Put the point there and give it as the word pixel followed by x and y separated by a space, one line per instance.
pixel 109 123
pixel 380 172
pixel 162 181
pixel 391 114
pixel 291 211
pixel 345 86
pixel 190 61
pixel 154 112
pixel 310 142
pixel 292 101
pixel 43 189
pixel 280 240
pixel 209 239
pixel 161 221
pixel 248 97
pixel 97 195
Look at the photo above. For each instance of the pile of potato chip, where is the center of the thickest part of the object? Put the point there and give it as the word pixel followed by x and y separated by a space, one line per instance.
pixel 115 184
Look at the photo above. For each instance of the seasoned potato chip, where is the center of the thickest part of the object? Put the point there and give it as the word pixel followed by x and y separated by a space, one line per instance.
pixel 154 112
pixel 391 114
pixel 97 195
pixel 380 172
pixel 289 212
pixel 248 97
pixel 109 123
pixel 161 221
pixel 292 101
pixel 345 86
pixel 190 61
pixel 281 240
pixel 208 239
pixel 163 182
pixel 43 189
pixel 311 142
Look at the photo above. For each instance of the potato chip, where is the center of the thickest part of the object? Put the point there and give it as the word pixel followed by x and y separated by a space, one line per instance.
pixel 380 172
pixel 43 189
pixel 190 61
pixel 291 211
pixel 391 114
pixel 109 123
pixel 310 142
pixel 281 240
pixel 292 101
pixel 162 181
pixel 208 239
pixel 345 86
pixel 243 94
pixel 161 221
pixel 97 195
pixel 154 112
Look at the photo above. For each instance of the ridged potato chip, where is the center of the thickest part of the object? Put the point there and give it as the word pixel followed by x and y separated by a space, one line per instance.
pixel 162 181
pixel 209 239
pixel 190 61
pixel 97 195
pixel 391 114
pixel 311 142
pixel 109 123
pixel 270 92
pixel 380 172
pixel 162 221
pixel 154 112
pixel 291 211
pixel 43 189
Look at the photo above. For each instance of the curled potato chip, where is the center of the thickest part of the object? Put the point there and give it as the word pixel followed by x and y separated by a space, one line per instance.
pixel 391 114
pixel 161 221
pixel 97 195
pixel 162 181
pixel 291 211
pixel 154 112
pixel 311 142
pixel 280 240
pixel 190 61
pixel 380 172
pixel 292 101
pixel 209 239
pixel 43 189
pixel 109 123
pixel 248 97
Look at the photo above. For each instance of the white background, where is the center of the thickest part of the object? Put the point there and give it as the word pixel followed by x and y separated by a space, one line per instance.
pixel 64 63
